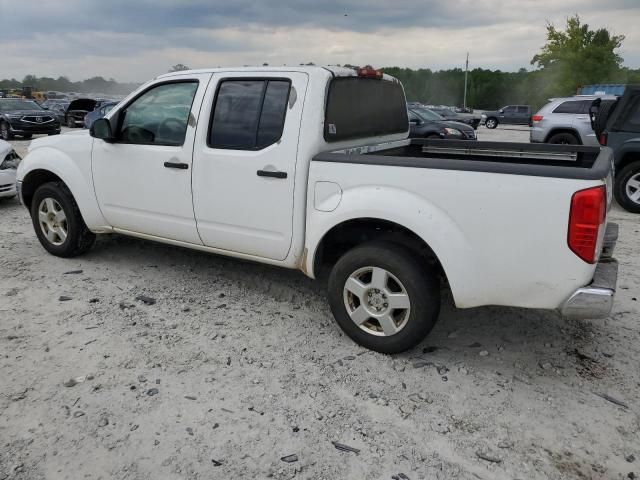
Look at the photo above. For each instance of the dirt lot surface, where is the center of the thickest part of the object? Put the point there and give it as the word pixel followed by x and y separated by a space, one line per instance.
pixel 229 369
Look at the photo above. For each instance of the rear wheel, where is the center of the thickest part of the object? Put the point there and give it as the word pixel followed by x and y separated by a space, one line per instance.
pixel 491 123
pixel 627 187
pixel 563 138
pixel 383 298
pixel 57 221
pixel 5 131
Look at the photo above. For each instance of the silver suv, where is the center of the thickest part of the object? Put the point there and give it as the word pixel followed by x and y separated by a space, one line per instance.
pixel 565 120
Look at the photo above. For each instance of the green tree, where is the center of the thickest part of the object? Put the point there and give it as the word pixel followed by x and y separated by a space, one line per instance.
pixel 179 67
pixel 578 56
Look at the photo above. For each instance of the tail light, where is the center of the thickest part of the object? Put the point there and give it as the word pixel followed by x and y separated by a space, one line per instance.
pixel 369 72
pixel 586 222
pixel 603 139
pixel 537 118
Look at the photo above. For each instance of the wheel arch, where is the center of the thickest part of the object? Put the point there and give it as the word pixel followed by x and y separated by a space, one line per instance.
pixel 47 164
pixel 570 130
pixel 368 212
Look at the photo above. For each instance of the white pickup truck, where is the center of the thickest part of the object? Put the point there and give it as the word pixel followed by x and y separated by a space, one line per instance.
pixel 310 168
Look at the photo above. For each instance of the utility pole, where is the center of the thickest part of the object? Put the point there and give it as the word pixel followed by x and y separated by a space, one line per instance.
pixel 466 71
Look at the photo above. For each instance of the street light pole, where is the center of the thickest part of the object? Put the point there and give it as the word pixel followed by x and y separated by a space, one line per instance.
pixel 466 71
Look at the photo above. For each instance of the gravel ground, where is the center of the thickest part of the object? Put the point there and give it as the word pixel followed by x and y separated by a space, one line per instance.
pixel 231 368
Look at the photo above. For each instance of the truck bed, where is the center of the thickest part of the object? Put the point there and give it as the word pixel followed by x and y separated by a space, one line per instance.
pixel 542 160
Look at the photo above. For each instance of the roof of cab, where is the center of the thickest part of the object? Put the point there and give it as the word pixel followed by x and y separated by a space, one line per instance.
pixel 334 70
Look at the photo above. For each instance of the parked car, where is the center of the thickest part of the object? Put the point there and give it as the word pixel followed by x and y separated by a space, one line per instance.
pixel 228 161
pixel 566 121
pixel 508 115
pixel 423 123
pixel 9 160
pixel 617 125
pixel 77 110
pixel 449 114
pixel 25 118
pixel 57 107
pixel 99 112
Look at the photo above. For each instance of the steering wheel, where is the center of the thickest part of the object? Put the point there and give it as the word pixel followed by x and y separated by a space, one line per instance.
pixel 170 128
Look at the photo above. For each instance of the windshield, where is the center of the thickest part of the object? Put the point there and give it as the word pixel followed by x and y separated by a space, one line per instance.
pixel 11 104
pixel 426 114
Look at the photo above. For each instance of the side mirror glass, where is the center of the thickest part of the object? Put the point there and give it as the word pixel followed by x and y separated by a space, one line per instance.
pixel 101 129
pixel 501 110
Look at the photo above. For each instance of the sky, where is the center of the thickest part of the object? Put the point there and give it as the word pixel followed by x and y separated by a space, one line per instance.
pixel 134 40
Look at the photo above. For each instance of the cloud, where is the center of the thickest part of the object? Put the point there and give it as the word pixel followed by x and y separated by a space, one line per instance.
pixel 135 40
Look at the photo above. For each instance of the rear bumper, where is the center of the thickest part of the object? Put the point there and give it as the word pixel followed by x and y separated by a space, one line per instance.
pixel 596 299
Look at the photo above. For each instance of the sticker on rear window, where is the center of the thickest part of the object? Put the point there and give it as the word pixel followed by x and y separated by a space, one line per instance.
pixel 332 128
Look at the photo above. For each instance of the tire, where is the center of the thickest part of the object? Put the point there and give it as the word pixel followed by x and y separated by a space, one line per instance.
pixel 413 283
pixel 563 138
pixel 58 198
pixel 491 123
pixel 627 183
pixel 5 132
pixel 604 112
pixel 27 136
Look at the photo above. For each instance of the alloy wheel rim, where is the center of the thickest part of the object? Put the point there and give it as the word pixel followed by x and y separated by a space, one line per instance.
pixel 53 221
pixel 376 301
pixel 633 188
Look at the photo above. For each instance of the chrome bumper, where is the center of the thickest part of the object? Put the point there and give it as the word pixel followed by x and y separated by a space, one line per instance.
pixel 596 299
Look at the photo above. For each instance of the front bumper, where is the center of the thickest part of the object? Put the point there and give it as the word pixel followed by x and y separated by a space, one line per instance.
pixel 7 183
pixel 596 299
pixel 20 128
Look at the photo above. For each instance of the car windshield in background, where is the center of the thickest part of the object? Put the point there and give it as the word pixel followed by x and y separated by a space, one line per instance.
pixel 9 105
pixel 426 114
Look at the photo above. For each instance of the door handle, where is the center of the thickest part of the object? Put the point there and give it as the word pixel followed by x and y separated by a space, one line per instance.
pixel 178 165
pixel 268 173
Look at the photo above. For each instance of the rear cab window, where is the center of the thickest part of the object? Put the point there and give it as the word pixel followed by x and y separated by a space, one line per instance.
pixel 364 107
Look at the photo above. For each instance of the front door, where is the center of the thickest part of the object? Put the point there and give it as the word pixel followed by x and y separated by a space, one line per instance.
pixel 143 178
pixel 245 162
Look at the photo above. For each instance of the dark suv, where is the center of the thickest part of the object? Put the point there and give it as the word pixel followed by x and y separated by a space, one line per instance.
pixel 509 115
pixel 25 118
pixel 617 125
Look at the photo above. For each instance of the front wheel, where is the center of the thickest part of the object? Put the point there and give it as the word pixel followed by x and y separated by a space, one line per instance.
pixel 627 187
pixel 27 136
pixel 383 298
pixel 57 221
pixel 491 123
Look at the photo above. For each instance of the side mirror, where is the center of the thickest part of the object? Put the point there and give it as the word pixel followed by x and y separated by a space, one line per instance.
pixel 414 121
pixel 101 129
pixel 501 110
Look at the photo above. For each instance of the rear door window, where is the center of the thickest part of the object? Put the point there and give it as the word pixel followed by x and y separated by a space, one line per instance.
pixel 573 107
pixel 632 122
pixel 364 107
pixel 249 114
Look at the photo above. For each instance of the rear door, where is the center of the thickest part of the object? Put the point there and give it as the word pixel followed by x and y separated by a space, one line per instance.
pixel 245 161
